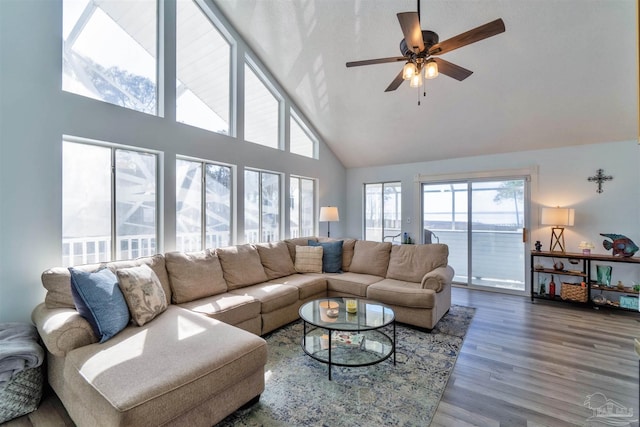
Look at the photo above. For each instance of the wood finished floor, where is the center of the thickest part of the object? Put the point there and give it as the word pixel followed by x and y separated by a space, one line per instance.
pixel 521 364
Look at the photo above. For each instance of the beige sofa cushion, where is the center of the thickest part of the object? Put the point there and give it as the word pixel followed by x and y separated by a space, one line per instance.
pixel 401 293
pixel 348 246
pixel 370 258
pixel 241 266
pixel 57 280
pixel 298 241
pixel 146 375
pixel 308 284
pixel 194 275
pixel 272 296
pixel 412 262
pixel 349 283
pixel 275 259
pixel 229 308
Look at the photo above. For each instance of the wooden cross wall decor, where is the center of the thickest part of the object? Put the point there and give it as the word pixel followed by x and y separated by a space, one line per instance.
pixel 600 177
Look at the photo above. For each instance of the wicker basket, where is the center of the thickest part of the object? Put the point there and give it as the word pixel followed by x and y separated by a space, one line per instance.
pixel 573 292
pixel 21 394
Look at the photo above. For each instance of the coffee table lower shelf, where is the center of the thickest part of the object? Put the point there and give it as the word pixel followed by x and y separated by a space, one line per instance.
pixel 348 348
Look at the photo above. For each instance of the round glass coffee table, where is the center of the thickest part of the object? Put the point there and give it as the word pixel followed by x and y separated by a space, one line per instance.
pixel 335 336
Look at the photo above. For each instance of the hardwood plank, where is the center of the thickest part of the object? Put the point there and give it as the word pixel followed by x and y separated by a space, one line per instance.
pixel 542 361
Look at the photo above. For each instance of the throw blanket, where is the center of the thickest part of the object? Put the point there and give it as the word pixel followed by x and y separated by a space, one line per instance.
pixel 19 350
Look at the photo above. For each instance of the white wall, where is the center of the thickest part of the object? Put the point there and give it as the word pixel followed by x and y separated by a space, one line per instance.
pixel 35 113
pixel 561 180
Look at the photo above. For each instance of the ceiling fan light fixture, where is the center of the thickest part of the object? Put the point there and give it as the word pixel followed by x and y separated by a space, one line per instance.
pixel 431 70
pixel 416 80
pixel 409 71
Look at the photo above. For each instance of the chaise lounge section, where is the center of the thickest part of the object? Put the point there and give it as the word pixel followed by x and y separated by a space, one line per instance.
pixel 202 357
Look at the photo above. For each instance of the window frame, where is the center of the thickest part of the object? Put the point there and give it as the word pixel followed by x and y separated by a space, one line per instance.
pixel 86 15
pixel 260 203
pixel 295 117
pixel 220 27
pixel 383 184
pixel 256 68
pixel 203 199
pixel 159 200
pixel 299 209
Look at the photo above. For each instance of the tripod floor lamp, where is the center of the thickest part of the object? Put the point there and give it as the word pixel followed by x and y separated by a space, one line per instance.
pixel 329 214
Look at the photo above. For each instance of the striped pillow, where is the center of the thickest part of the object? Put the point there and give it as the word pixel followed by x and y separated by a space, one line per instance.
pixel 309 259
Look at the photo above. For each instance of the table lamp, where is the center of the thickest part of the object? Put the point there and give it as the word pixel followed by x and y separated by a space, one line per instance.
pixel 559 218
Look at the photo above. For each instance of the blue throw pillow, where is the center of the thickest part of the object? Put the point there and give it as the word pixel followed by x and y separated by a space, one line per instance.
pixel 98 299
pixel 331 255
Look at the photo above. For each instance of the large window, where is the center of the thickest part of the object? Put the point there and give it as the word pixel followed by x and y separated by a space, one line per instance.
pixel 203 58
pixel 109 51
pixel 261 206
pixel 300 139
pixel 204 210
pixel 383 211
pixel 109 203
pixel 301 207
pixel 261 111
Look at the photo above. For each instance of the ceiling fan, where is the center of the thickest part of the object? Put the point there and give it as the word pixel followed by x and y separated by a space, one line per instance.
pixel 420 46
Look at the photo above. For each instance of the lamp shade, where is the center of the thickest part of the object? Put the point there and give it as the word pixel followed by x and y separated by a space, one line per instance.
pixel 409 70
pixel 557 216
pixel 329 213
pixel 431 70
pixel 416 80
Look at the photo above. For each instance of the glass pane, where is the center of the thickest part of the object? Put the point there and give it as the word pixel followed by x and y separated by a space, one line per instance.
pixel 109 52
pixel 86 204
pixel 136 183
pixel 299 140
pixel 203 58
pixel 307 194
pixel 251 206
pixel 294 207
pixel 445 221
pixel 497 217
pixel 270 207
pixel 188 205
pixel 392 212
pixel 261 118
pixel 373 212
pixel 219 210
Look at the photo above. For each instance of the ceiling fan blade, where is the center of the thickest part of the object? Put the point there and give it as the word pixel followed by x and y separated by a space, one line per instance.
pixel 395 84
pixel 475 35
pixel 410 24
pixel 452 70
pixel 376 61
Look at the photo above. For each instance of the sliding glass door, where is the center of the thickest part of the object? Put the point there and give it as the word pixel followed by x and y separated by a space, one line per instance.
pixel 483 223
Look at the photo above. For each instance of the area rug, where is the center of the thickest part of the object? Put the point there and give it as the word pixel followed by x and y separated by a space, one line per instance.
pixel 299 393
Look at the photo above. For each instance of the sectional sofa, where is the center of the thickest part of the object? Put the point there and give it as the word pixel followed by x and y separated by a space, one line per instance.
pixel 198 355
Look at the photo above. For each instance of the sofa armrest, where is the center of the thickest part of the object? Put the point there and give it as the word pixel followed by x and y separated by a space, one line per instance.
pixel 62 329
pixel 438 278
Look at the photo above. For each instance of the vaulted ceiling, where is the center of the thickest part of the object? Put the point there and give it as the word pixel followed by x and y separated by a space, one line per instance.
pixel 564 73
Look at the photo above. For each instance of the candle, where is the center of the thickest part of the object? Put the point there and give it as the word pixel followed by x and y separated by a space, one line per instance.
pixel 352 305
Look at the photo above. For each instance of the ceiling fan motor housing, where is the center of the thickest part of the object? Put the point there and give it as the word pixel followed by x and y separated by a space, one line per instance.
pixel 428 37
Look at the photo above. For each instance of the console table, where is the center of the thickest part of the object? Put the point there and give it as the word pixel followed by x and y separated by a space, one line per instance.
pixel 580 275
